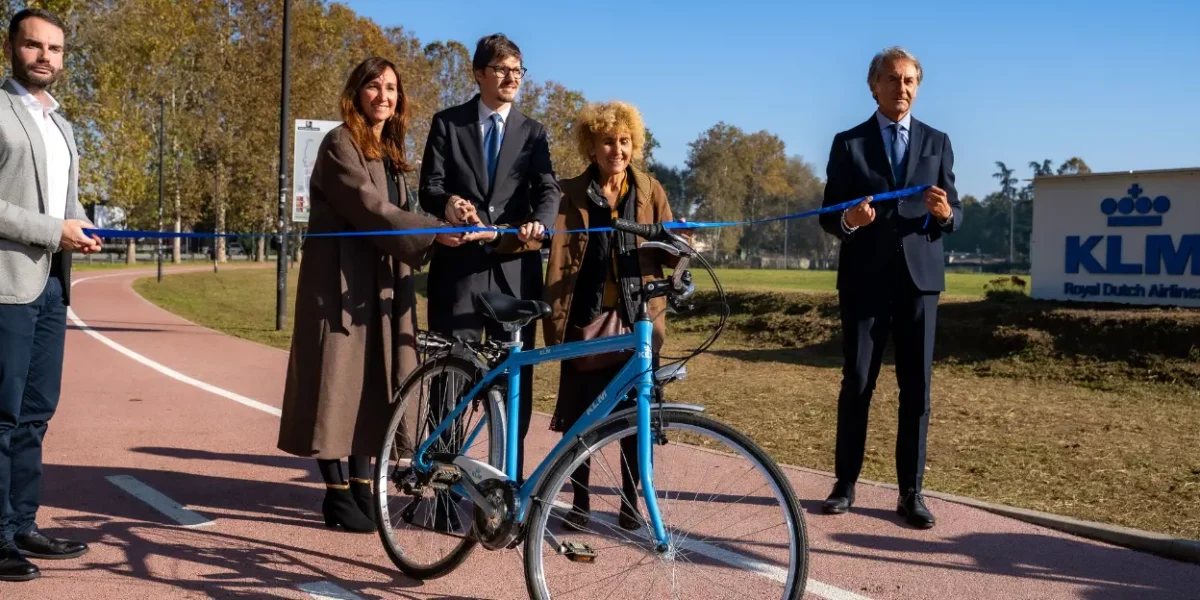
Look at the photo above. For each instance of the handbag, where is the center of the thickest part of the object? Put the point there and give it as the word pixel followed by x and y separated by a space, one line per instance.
pixel 607 323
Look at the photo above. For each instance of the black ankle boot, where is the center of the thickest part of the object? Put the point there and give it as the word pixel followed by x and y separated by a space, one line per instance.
pixel 581 507
pixel 629 518
pixel 360 489
pixel 340 509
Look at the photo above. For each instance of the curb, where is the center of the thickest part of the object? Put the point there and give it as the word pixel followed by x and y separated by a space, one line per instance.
pixel 1134 539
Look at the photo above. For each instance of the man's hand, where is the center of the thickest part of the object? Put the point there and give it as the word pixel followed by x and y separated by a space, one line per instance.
pixel 937 203
pixel 94 249
pixel 480 236
pixel 532 230
pixel 687 233
pixel 73 238
pixel 460 211
pixel 449 239
pixel 860 214
pixel 457 239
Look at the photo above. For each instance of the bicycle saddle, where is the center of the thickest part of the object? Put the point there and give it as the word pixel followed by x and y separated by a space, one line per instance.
pixel 506 310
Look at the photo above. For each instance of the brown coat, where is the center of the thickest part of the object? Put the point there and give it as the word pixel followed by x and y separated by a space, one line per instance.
pixel 354 337
pixel 567 251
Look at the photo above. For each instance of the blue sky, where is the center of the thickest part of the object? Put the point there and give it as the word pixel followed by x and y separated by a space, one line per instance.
pixel 1116 83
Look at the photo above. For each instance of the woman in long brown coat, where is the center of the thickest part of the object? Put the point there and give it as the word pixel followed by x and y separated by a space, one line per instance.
pixel 354 337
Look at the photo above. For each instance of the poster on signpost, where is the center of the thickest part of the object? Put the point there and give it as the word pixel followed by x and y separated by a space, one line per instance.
pixel 308 136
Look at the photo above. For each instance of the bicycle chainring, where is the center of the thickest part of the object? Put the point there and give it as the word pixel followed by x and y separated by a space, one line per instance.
pixel 496 527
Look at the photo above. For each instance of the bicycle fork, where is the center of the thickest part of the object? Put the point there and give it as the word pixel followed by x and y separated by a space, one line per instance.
pixel 644 384
pixel 644 330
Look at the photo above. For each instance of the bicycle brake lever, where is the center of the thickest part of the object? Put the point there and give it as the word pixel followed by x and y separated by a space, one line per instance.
pixel 662 246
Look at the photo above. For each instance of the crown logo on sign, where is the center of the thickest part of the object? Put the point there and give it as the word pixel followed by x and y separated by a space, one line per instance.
pixel 1121 212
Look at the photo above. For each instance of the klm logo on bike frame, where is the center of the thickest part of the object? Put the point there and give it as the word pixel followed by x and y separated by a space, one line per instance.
pixel 1163 255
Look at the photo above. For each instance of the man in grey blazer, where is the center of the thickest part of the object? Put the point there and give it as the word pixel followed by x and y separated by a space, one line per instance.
pixel 41 224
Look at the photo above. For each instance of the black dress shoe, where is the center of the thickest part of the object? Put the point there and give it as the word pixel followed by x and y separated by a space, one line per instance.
pixel 840 499
pixel 36 545
pixel 912 508
pixel 14 567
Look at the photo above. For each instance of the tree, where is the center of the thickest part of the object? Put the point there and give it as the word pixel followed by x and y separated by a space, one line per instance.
pixel 674 182
pixel 1073 166
pixel 717 180
pixel 1008 190
pixel 557 108
pixel 649 147
pixel 1042 168
pixel 450 63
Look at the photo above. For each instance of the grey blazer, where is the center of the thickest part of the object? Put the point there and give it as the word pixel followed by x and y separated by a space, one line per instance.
pixel 28 236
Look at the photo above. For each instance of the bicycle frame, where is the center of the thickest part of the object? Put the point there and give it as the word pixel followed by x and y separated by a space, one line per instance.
pixel 637 372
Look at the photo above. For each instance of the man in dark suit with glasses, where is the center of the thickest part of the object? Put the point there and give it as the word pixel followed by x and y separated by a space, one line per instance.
pixel 891 271
pixel 486 163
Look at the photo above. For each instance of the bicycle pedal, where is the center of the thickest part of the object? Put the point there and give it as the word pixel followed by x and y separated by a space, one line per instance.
pixel 576 552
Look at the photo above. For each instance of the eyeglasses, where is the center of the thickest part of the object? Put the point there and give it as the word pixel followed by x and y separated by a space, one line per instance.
pixel 503 72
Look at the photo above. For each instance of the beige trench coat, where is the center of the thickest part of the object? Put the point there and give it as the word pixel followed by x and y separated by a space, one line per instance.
pixel 354 337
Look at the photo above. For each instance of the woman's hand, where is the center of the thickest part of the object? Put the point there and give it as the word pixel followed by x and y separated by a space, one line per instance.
pixel 687 233
pixel 449 239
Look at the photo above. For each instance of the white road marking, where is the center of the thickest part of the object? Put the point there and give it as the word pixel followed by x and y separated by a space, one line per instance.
pixel 328 591
pixel 323 590
pixel 772 572
pixel 169 372
pixel 158 501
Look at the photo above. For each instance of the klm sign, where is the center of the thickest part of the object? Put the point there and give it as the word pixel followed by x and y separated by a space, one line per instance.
pixel 1105 254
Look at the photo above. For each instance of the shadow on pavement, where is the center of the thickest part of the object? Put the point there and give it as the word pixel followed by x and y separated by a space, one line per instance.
pixel 1104 572
pixel 211 560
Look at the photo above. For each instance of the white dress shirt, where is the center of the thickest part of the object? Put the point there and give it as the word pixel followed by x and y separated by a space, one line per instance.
pixel 58 154
pixel 884 129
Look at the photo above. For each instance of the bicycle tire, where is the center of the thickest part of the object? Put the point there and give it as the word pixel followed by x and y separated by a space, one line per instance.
pixel 620 424
pixel 496 427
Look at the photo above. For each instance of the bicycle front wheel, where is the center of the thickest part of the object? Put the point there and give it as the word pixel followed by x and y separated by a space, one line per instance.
pixel 734 526
pixel 427 529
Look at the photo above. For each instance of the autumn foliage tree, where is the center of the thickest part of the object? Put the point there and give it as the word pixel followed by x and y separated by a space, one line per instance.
pixel 214 65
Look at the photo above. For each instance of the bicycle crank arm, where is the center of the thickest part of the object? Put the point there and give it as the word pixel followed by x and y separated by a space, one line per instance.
pixel 480 479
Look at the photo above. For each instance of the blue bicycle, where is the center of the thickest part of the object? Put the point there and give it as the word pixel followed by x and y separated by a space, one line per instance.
pixel 715 517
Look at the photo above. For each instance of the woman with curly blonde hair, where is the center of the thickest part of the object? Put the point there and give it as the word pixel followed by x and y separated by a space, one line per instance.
pixel 593 279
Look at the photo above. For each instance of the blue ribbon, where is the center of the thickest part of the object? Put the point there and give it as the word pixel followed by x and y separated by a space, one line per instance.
pixel 133 234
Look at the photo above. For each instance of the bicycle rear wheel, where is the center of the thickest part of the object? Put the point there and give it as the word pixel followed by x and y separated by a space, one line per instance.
pixel 426 529
pixel 735 527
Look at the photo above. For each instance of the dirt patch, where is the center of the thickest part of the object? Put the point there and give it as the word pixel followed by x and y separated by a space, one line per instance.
pixel 1028 338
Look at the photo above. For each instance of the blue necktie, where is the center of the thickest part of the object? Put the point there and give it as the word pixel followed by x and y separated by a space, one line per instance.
pixel 899 146
pixel 491 146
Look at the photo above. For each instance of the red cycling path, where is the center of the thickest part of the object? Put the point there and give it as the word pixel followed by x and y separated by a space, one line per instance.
pixel 157 411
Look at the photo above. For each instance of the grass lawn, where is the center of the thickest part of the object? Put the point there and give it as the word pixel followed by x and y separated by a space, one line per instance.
pixel 765 280
pixel 1078 437
pixel 80 263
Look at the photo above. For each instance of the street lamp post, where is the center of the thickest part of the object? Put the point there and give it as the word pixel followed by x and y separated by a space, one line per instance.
pixel 162 125
pixel 281 266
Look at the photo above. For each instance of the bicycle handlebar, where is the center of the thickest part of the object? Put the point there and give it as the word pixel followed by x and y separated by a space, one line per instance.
pixel 654 232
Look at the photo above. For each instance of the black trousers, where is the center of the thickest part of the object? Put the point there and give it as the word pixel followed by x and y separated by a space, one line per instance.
pixel 32 337
pixel 469 328
pixel 869 315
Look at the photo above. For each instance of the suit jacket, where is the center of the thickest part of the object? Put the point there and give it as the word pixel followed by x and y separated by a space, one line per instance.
pixel 28 235
pixel 525 190
pixel 858 166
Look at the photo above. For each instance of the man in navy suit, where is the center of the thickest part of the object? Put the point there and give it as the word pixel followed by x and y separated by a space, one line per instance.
pixel 890 272
pixel 487 163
